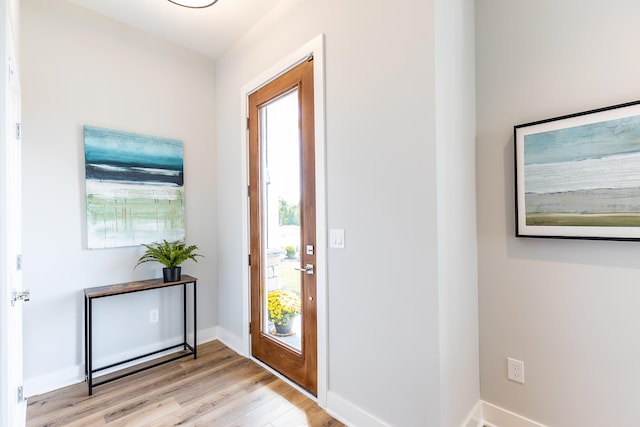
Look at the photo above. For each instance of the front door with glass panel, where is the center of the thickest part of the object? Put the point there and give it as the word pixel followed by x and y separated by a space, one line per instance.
pixel 282 225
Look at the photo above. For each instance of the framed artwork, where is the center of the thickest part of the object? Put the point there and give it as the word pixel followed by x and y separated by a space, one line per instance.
pixel 134 188
pixel 578 176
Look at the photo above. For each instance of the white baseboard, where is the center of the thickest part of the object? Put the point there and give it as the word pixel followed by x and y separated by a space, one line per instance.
pixel 474 419
pixel 206 335
pixel 53 381
pixel 75 374
pixel 350 414
pixel 233 341
pixel 495 416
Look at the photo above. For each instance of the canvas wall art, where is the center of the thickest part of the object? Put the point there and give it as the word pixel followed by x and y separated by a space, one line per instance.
pixel 578 176
pixel 134 188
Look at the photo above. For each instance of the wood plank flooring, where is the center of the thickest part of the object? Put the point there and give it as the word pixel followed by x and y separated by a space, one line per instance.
pixel 220 388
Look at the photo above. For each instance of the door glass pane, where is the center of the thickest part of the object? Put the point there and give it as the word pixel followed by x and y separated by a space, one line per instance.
pixel 281 282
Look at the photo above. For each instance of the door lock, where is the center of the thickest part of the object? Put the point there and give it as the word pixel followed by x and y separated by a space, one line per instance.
pixel 19 296
pixel 308 268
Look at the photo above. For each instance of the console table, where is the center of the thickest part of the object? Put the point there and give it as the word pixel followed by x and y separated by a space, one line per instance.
pixel 125 288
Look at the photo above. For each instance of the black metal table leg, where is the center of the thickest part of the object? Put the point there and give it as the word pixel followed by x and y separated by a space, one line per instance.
pixel 195 326
pixel 89 338
pixel 184 315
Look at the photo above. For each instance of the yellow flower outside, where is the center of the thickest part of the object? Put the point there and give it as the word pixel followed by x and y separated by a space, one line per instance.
pixel 283 306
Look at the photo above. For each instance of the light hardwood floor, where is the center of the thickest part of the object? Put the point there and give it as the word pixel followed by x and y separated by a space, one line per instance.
pixel 219 388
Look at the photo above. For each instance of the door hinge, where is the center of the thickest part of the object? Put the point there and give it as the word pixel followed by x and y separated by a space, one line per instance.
pixel 247 122
pixel 18 131
pixel 19 262
pixel 249 328
pixel 20 394
pixel 10 71
pixel 249 259
pixel 248 191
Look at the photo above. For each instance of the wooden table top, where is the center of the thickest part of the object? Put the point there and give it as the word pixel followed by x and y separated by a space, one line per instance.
pixel 143 285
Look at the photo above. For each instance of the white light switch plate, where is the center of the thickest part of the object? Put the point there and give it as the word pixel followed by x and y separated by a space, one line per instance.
pixel 336 238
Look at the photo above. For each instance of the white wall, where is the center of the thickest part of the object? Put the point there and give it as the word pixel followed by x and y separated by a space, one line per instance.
pixel 384 318
pixel 457 236
pixel 80 68
pixel 567 308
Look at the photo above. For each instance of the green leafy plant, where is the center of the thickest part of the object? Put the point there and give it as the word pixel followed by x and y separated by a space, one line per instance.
pixel 169 254
pixel 283 306
pixel 291 251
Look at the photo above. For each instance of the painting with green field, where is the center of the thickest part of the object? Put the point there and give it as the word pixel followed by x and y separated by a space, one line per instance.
pixel 134 188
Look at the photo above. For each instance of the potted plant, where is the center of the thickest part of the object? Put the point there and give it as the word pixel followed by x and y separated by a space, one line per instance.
pixel 171 255
pixel 290 251
pixel 283 307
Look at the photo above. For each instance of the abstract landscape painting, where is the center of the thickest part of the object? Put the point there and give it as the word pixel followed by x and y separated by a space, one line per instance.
pixel 579 176
pixel 134 188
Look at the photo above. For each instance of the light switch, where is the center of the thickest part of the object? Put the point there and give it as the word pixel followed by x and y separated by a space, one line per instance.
pixel 336 238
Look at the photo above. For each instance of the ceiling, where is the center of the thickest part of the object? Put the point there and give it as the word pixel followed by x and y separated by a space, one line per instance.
pixel 209 31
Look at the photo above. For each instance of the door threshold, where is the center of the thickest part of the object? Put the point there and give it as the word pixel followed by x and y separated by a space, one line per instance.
pixel 286 379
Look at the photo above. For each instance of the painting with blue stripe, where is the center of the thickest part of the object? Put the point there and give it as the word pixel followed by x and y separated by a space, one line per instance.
pixel 134 188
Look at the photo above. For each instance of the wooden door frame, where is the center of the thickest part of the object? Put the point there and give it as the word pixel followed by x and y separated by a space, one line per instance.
pixel 314 47
pixel 299 364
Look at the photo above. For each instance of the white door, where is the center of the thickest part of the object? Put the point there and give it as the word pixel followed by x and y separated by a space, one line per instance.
pixel 13 406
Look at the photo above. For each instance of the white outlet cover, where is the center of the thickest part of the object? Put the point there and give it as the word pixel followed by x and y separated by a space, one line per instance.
pixel 515 370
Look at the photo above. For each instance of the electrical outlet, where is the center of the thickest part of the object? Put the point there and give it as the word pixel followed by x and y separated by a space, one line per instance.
pixel 515 370
pixel 154 315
